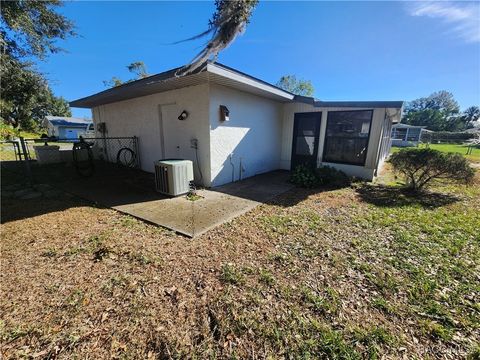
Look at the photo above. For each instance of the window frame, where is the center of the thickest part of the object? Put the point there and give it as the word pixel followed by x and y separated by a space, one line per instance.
pixel 317 136
pixel 325 142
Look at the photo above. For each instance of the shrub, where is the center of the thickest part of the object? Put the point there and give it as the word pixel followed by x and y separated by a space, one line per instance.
pixel 331 176
pixel 7 132
pixel 304 176
pixel 307 177
pixel 422 166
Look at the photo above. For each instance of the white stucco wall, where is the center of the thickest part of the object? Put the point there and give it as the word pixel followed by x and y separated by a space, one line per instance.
pixel 145 116
pixel 252 136
pixel 366 172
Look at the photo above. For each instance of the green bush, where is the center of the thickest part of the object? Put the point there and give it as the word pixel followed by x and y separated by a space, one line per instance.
pixel 7 132
pixel 421 167
pixel 304 176
pixel 331 176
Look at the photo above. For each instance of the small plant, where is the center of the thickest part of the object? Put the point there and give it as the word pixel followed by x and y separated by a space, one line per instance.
pixel 307 177
pixel 383 305
pixel 230 274
pixel 7 132
pixel 304 176
pixel 422 166
pixel 100 253
pixel 435 330
pixel 328 175
pixel 327 303
pixel 267 277
pixel 193 196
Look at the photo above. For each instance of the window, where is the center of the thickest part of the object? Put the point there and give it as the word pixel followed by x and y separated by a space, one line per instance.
pixel 346 139
pixel 305 142
pixel 399 133
pixel 385 143
pixel 413 134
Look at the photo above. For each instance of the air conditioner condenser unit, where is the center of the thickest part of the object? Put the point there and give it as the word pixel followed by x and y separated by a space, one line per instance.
pixel 173 176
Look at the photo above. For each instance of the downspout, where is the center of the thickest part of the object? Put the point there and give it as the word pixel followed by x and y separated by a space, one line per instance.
pixel 242 169
pixel 233 167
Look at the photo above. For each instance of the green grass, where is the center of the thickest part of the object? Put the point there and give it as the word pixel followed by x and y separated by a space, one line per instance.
pixel 320 274
pixel 454 148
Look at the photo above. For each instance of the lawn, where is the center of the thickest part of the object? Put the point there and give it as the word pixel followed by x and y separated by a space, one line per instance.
pixel 455 148
pixel 360 272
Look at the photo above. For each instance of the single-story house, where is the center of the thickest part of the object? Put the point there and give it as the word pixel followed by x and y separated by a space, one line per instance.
pixel 404 135
pixel 233 126
pixel 65 127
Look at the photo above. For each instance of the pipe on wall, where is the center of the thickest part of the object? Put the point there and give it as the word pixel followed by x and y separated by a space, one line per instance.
pixel 233 166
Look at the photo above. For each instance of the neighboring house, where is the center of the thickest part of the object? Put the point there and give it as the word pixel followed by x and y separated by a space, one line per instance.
pixel 404 135
pixel 232 125
pixel 66 127
pixel 474 130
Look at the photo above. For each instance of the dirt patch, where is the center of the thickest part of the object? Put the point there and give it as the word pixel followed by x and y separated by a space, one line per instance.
pixel 318 274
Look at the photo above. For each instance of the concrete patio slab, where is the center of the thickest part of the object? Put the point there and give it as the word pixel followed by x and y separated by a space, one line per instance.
pixel 135 195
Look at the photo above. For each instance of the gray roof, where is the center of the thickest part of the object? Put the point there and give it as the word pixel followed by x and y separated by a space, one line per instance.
pixel 168 80
pixel 217 73
pixel 400 125
pixel 359 104
pixel 67 121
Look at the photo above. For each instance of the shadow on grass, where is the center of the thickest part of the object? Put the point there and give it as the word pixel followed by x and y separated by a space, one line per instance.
pixel 298 194
pixel 391 196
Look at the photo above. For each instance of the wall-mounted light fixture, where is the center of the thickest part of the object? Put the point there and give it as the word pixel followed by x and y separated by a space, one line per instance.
pixel 224 113
pixel 183 115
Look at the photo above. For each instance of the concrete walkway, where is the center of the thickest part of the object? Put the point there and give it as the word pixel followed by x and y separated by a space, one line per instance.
pixel 135 195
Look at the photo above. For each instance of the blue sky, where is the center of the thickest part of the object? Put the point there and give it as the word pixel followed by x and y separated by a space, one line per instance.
pixel 349 50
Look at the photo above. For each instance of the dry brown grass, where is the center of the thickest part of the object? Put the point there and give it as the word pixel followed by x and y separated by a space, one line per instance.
pixel 315 279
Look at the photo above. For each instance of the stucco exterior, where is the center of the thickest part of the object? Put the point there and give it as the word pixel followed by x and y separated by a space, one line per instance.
pixel 154 120
pixel 257 137
pixel 250 142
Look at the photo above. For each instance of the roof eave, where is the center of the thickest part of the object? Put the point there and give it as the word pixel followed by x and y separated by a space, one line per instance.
pixel 139 87
pixel 237 76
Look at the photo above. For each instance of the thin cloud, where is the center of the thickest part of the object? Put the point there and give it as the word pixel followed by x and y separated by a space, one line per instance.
pixel 463 18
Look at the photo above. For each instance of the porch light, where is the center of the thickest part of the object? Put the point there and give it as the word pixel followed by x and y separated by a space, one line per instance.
pixel 224 113
pixel 183 115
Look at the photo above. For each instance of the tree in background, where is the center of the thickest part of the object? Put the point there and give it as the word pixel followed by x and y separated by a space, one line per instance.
pixel 470 116
pixel 296 86
pixel 138 68
pixel 229 20
pixel 435 111
pixel 29 29
pixel 439 112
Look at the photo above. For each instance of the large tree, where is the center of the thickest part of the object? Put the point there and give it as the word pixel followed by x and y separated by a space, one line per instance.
pixel 296 86
pixel 440 112
pixel 26 97
pixel 471 116
pixel 29 30
pixel 437 112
